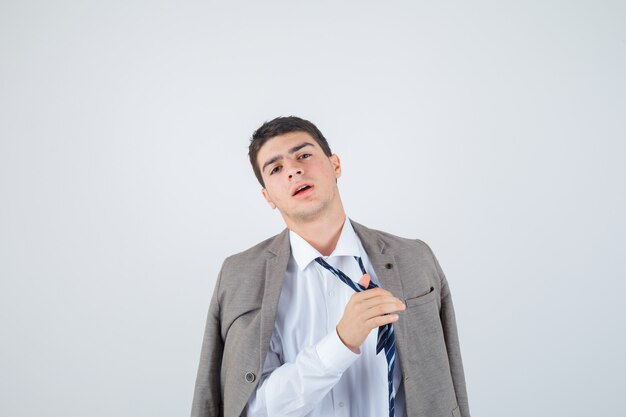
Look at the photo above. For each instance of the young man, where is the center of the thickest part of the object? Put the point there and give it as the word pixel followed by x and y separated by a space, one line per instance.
pixel 328 318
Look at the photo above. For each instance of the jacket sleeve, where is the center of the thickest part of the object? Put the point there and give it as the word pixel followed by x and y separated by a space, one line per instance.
pixel 448 323
pixel 207 398
pixel 294 389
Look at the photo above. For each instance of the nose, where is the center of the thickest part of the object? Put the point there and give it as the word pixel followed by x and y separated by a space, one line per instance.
pixel 294 169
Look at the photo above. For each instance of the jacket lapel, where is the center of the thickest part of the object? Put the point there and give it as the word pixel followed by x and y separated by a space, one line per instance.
pixel 384 264
pixel 386 268
pixel 275 268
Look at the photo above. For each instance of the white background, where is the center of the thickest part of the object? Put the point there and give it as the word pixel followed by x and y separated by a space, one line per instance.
pixel 493 130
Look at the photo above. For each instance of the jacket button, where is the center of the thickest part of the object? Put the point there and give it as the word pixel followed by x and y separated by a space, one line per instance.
pixel 388 266
pixel 250 377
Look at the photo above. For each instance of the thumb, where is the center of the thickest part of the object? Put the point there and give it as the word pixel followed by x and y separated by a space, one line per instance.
pixel 365 280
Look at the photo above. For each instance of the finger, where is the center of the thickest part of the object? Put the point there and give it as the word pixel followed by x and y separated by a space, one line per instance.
pixel 381 310
pixel 378 321
pixel 367 294
pixel 365 280
pixel 383 299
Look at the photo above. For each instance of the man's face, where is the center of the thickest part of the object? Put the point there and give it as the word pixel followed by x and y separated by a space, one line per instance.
pixel 300 180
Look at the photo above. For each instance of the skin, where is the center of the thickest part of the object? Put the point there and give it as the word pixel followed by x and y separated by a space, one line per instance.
pixel 318 217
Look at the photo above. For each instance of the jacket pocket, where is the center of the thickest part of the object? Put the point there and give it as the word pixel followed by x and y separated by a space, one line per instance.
pixel 456 412
pixel 424 298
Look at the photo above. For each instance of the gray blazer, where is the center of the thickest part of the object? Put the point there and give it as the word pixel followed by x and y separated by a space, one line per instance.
pixel 243 309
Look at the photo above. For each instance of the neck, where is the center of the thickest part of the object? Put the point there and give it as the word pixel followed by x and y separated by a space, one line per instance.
pixel 322 233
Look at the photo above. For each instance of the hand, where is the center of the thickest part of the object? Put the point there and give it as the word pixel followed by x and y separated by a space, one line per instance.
pixel 366 311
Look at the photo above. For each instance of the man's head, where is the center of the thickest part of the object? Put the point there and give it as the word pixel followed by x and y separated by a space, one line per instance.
pixel 293 163
pixel 280 126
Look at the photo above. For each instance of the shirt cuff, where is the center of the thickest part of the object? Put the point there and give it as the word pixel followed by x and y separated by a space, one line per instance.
pixel 334 355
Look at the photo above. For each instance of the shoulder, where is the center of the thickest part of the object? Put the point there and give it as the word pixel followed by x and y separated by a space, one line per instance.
pixel 249 266
pixel 413 257
pixel 393 242
pixel 411 253
pixel 257 252
pixel 241 282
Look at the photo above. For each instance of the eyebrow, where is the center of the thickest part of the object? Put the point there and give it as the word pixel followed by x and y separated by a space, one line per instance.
pixel 291 152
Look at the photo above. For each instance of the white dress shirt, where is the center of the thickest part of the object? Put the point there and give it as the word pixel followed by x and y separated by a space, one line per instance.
pixel 308 371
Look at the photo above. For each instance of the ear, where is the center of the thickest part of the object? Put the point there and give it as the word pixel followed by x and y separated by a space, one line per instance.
pixel 267 198
pixel 336 163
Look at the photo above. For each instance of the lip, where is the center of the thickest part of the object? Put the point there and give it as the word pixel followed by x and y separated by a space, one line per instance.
pixel 297 186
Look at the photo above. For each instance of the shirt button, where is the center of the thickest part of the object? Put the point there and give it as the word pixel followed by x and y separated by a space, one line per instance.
pixel 330 293
pixel 341 404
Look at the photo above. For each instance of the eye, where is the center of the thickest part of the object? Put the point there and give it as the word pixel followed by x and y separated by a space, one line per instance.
pixel 275 169
pixel 305 156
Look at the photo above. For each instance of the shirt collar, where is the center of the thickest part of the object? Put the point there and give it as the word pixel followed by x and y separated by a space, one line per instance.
pixel 304 253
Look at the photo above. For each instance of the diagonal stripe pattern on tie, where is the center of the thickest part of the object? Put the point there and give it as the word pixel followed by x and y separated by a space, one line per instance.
pixel 386 338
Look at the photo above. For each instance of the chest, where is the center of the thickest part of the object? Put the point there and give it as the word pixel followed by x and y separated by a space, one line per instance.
pixel 311 303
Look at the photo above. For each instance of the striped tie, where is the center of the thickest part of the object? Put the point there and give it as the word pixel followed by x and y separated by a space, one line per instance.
pixel 386 338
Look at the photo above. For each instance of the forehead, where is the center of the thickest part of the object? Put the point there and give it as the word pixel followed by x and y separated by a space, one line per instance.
pixel 281 144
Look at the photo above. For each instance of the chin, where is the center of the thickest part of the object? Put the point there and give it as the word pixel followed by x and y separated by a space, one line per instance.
pixel 312 213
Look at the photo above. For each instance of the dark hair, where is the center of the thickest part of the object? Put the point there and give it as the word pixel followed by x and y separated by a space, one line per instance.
pixel 280 126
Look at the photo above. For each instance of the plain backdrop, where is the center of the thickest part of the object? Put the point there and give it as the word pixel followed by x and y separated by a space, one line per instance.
pixel 493 130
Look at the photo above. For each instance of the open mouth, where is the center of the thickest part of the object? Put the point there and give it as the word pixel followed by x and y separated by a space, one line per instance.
pixel 302 189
